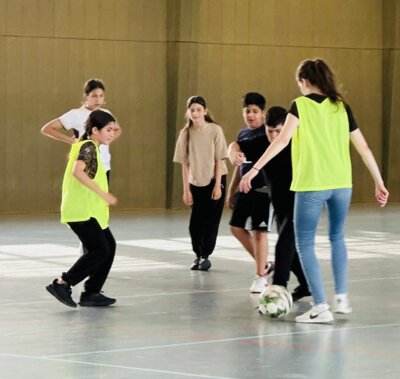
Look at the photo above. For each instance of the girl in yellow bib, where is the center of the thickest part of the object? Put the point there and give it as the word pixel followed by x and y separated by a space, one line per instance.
pixel 85 208
pixel 321 126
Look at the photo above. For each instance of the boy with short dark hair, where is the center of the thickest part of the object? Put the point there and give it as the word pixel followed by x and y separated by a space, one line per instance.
pixel 279 176
pixel 253 205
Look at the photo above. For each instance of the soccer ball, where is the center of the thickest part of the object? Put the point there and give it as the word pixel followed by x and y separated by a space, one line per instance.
pixel 275 301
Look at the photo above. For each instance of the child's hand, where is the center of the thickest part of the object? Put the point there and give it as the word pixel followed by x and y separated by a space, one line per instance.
pixel 381 194
pixel 245 182
pixel 110 199
pixel 187 198
pixel 238 158
pixel 230 200
pixel 216 193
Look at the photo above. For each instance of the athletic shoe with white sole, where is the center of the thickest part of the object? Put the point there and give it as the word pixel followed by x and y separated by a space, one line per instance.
pixel 341 304
pixel 318 314
pixel 204 264
pixel 258 285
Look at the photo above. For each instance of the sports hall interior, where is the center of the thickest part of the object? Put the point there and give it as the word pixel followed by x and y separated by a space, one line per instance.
pixel 152 55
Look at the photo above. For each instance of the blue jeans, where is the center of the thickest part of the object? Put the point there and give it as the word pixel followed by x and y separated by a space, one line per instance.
pixel 307 211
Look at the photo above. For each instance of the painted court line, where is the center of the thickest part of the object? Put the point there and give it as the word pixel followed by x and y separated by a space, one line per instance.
pixel 41 267
pixel 61 357
pixel 41 260
pixel 130 368
pixel 224 340
pixel 164 294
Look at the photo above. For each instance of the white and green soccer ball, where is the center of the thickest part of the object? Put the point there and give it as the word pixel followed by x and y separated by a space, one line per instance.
pixel 275 301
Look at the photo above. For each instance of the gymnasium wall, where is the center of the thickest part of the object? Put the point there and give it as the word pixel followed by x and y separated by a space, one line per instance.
pixel 154 54
pixel 391 96
pixel 48 49
pixel 232 47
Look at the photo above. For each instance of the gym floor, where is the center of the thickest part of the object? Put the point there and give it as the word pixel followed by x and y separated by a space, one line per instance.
pixel 170 322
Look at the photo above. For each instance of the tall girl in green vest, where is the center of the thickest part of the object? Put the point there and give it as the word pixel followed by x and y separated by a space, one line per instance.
pixel 85 208
pixel 321 125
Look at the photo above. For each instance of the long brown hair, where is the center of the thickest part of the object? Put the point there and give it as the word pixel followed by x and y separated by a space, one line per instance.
pixel 201 101
pixel 195 100
pixel 318 73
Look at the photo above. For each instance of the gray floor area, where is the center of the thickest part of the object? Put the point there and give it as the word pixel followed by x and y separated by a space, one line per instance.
pixel 170 322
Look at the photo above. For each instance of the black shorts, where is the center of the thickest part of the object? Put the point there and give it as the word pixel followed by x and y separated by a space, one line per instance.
pixel 254 206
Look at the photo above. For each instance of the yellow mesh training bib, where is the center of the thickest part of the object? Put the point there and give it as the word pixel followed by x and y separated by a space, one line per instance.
pixel 79 203
pixel 320 146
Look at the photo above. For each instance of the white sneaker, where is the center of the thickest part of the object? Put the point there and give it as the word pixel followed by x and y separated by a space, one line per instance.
pixel 258 284
pixel 341 304
pixel 316 315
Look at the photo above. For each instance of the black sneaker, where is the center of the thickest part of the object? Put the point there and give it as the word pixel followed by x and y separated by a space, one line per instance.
pixel 62 292
pixel 204 264
pixel 195 264
pixel 95 299
pixel 299 292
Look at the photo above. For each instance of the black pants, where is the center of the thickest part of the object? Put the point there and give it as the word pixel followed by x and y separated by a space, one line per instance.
pixel 97 261
pixel 286 256
pixel 84 248
pixel 205 218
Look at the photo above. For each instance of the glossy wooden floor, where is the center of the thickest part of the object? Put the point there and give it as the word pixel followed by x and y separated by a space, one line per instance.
pixel 170 322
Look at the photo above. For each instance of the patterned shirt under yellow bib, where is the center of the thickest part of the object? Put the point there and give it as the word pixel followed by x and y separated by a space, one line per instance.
pixel 79 203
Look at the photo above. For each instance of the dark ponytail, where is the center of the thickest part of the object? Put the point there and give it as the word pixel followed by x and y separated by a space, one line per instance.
pixel 98 119
pixel 318 73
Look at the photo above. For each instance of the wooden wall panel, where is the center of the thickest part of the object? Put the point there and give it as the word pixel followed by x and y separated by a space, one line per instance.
pixel 391 96
pixel 13 17
pixel 154 54
pixel 188 20
pixel 76 19
pixel 3 18
pixel 242 22
pixel 48 178
pixel 355 24
pixel 153 124
pixel 393 155
pixel 281 89
pixel 297 26
pixel 15 135
pixel 235 56
pixel 48 50
pixel 4 124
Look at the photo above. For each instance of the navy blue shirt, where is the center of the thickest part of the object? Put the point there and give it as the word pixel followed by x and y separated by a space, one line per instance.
pixel 253 143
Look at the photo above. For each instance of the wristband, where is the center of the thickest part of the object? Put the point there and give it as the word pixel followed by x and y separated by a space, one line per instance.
pixel 255 168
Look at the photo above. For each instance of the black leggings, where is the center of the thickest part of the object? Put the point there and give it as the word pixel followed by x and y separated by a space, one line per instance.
pixel 97 261
pixel 205 218
pixel 286 257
